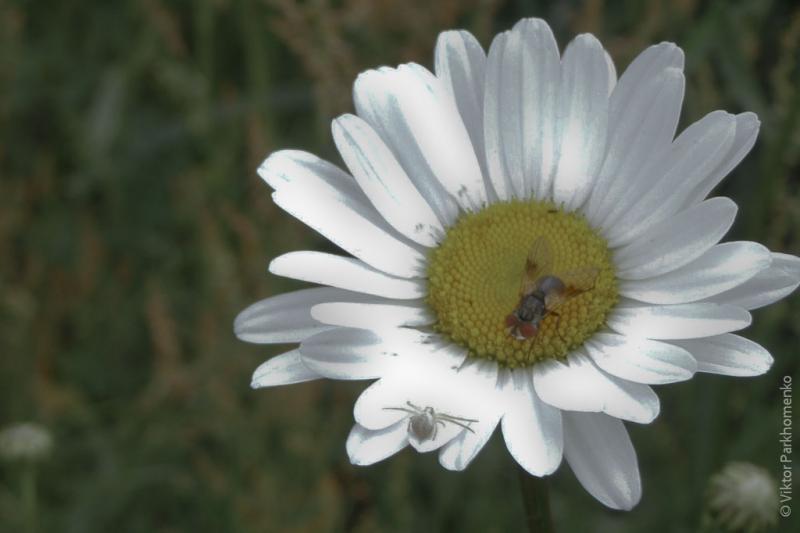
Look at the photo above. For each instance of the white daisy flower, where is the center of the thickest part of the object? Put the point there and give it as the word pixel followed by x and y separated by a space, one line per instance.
pixel 468 187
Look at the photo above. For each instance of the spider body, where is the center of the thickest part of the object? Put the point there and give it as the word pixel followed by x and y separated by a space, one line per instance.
pixel 423 423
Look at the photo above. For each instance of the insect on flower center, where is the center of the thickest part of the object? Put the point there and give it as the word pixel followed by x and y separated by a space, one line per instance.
pixel 520 282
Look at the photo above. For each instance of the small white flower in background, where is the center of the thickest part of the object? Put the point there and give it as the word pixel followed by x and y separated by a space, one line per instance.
pixel 743 498
pixel 25 441
pixel 529 247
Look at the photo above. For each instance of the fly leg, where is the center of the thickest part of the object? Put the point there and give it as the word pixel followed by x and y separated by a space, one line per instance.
pixel 558 323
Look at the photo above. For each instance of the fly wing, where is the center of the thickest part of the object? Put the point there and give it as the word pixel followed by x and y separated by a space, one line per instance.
pixel 575 282
pixel 537 264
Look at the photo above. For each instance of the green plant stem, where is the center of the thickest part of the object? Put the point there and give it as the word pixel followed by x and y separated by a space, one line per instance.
pixel 28 492
pixel 536 500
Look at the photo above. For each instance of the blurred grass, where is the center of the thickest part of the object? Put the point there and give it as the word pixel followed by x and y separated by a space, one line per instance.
pixel 133 228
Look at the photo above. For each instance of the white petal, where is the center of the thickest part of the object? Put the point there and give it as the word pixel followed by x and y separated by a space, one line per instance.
pixel 522 80
pixel 459 452
pixel 646 66
pixel 377 315
pixel 692 157
pixel 681 321
pixel 495 101
pixel 676 242
pixel 766 287
pixel 365 447
pixel 423 350
pixel 356 230
pixel 284 369
pixel 300 178
pixel 747 126
pixel 296 170
pixel 612 73
pixel 581 386
pixel 346 353
pixel 460 64
pixel 373 103
pixel 417 117
pixel 721 268
pixel 641 360
pixel 477 396
pixel 643 113
pixel 384 181
pixel 390 401
pixel 583 105
pixel 465 389
pixel 640 129
pixel 466 393
pixel 510 116
pixel 476 390
pixel 601 455
pixel 729 355
pixel 287 317
pixel 531 428
pixel 541 76
pixel 370 410
pixel 345 273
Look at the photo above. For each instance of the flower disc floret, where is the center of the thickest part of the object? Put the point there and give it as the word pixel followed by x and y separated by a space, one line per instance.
pixel 476 274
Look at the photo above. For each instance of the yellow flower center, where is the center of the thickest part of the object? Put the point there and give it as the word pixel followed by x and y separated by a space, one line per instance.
pixel 477 278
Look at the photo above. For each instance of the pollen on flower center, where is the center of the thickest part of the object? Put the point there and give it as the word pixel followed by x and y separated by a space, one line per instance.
pixel 476 275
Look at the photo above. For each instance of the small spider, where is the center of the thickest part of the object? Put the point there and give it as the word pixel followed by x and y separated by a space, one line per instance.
pixel 423 422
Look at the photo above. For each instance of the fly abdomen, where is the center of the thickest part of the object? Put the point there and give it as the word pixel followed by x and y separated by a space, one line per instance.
pixel 549 284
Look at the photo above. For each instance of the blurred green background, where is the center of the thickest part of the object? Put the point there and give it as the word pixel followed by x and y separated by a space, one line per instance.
pixel 133 228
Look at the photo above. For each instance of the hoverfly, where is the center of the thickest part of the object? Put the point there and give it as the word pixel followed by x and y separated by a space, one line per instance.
pixel 423 422
pixel 542 292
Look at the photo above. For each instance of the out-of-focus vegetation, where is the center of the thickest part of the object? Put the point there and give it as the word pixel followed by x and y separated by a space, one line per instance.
pixel 133 228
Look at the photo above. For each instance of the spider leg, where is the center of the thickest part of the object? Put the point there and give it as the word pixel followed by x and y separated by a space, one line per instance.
pixel 465 426
pixel 411 405
pixel 451 418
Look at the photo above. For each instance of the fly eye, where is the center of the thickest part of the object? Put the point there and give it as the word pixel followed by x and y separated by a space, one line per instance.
pixel 511 321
